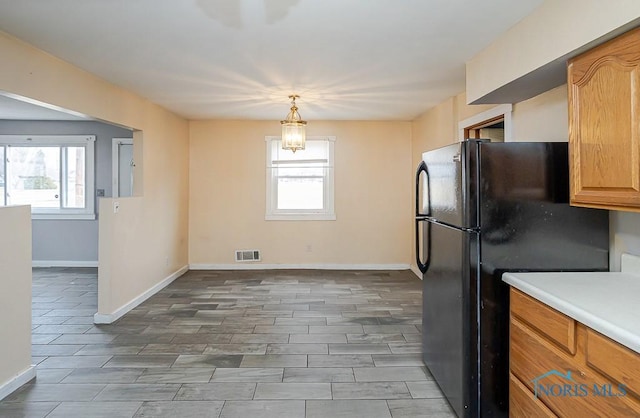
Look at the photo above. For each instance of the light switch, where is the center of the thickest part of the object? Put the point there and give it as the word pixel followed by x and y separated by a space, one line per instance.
pixel 116 207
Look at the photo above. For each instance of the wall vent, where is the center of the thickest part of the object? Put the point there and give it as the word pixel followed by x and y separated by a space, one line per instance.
pixel 247 255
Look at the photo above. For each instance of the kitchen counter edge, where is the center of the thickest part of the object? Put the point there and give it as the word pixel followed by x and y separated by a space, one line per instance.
pixel 555 290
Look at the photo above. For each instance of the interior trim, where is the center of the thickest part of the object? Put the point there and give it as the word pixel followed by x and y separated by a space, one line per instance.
pixel 14 383
pixel 505 109
pixel 260 266
pixel 100 318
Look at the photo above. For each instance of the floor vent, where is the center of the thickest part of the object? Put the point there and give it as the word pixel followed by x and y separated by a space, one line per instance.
pixel 247 255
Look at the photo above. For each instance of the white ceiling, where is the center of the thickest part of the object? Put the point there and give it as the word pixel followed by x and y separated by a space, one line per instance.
pixel 240 59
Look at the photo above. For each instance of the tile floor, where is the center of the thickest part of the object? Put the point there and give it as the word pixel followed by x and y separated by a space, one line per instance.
pixel 232 344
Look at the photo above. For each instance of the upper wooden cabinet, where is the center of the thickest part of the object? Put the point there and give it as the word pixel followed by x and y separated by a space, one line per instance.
pixel 604 125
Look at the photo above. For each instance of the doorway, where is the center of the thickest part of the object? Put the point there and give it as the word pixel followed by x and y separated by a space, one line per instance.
pixel 492 130
pixel 494 124
pixel 123 167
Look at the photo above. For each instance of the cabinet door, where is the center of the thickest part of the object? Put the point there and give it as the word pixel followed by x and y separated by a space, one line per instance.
pixel 604 124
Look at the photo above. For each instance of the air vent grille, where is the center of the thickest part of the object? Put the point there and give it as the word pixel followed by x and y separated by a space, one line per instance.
pixel 247 255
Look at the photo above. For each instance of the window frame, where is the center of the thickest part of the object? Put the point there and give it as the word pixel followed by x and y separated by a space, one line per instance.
pixel 272 213
pixel 59 141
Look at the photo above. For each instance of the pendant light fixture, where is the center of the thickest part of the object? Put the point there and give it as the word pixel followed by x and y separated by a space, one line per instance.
pixel 293 128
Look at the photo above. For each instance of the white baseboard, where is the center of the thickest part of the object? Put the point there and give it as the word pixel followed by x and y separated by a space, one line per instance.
pixel 416 271
pixel 100 318
pixel 11 385
pixel 63 263
pixel 260 266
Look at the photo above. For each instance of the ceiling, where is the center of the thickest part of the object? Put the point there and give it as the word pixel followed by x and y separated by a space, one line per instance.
pixel 240 59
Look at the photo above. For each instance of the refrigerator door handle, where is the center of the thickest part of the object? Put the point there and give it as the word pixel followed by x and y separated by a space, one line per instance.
pixel 423 266
pixel 422 217
pixel 422 168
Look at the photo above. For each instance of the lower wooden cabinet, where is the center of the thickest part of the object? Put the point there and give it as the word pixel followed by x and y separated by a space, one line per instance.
pixel 560 367
pixel 523 403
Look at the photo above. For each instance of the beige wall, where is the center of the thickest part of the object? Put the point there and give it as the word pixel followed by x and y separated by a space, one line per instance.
pixel 433 129
pixel 542 118
pixel 15 292
pixel 148 241
pixel 553 30
pixel 438 126
pixel 465 111
pixel 372 196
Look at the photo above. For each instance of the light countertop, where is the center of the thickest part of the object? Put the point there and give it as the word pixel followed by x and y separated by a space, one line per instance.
pixel 606 302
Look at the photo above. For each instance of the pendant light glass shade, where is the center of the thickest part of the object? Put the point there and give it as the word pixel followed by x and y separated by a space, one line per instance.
pixel 293 128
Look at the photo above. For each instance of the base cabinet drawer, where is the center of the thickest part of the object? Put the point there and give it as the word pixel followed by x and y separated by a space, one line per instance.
pixel 600 380
pixel 557 327
pixel 522 403
pixel 613 360
pixel 569 388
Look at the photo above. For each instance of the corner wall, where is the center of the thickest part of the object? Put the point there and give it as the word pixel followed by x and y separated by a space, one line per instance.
pixel 372 198
pixel 15 298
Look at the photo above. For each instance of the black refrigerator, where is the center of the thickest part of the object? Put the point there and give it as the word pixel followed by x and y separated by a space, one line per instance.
pixel 483 209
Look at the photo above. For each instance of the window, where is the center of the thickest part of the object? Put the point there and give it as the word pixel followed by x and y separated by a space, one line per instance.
pixel 53 174
pixel 300 184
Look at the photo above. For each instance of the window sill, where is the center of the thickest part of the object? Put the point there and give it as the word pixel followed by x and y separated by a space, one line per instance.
pixel 301 217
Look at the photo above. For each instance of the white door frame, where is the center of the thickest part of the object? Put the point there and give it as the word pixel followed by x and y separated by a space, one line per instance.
pixel 115 164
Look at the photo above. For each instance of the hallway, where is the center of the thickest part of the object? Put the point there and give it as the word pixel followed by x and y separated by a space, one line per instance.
pixel 232 344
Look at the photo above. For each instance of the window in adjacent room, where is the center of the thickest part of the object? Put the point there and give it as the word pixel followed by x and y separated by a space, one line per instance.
pixel 300 184
pixel 54 174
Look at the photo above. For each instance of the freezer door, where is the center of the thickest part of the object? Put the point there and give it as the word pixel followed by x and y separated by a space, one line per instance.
pixel 449 348
pixel 449 188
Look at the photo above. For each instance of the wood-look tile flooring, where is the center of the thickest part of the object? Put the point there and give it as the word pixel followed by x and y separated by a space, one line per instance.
pixel 232 344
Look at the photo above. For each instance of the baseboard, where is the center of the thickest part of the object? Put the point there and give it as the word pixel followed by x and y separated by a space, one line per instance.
pixel 100 318
pixel 260 266
pixel 11 385
pixel 416 271
pixel 63 263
